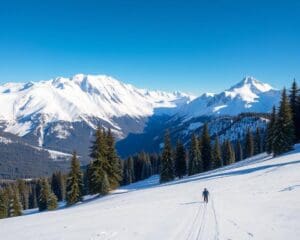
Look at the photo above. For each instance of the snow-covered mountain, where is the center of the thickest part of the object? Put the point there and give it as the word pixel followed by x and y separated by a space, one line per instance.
pixel 25 107
pixel 257 198
pixel 249 95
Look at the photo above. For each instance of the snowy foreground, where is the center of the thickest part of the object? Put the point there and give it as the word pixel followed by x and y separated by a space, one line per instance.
pixel 258 198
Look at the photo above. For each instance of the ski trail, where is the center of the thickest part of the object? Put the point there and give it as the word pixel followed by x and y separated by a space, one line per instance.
pixel 216 220
pixel 194 222
pixel 202 225
pixel 208 227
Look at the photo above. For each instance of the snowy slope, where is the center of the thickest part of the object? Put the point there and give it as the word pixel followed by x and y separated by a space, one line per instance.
pixel 254 199
pixel 79 98
pixel 249 95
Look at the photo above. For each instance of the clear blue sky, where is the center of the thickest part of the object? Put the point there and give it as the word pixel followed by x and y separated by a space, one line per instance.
pixel 195 46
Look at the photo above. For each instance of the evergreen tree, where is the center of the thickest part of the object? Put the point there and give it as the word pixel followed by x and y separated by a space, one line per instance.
pixel 228 153
pixel 147 168
pixel 249 144
pixel 105 186
pixel 15 206
pixel 74 182
pixel 126 176
pixel 294 99
pixel 217 156
pixel 206 151
pixel 38 187
pixel 4 202
pixel 195 161
pixel 128 171
pixel 58 185
pixel 33 197
pixel 180 160
pixel 284 128
pixel 130 163
pixel 167 164
pixel 155 159
pixel 270 132
pixel 239 151
pixel 52 201
pixel 99 167
pixel 23 193
pixel 44 195
pixel 257 142
pixel 138 166
pixel 114 172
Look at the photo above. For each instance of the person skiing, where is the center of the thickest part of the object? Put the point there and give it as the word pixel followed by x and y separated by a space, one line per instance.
pixel 205 194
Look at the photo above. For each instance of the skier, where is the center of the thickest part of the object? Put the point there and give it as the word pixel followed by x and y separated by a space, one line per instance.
pixel 205 194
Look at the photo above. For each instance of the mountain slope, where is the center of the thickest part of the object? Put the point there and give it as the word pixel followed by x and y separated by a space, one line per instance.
pixel 20 159
pixel 257 198
pixel 249 95
pixel 225 127
pixel 80 98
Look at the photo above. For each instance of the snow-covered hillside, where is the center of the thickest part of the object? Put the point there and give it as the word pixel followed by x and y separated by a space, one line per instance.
pixel 257 198
pixel 79 98
pixel 249 95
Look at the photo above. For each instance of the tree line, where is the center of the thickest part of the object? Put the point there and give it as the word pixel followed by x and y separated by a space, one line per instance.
pixel 204 153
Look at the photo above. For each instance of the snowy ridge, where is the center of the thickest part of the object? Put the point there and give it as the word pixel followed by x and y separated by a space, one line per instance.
pixel 249 95
pixel 77 99
pixel 257 198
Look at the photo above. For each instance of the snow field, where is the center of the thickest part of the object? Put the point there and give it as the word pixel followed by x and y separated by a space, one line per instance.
pixel 254 199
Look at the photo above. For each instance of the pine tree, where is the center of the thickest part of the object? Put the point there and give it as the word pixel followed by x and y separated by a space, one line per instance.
pixel 147 168
pixel 217 156
pixel 228 153
pixel 206 151
pixel 4 202
pixel 128 171
pixel 195 161
pixel 105 186
pixel 294 99
pixel 249 144
pixel 114 172
pixel 99 167
pixel 138 165
pixel 167 164
pixel 126 175
pixel 257 142
pixel 52 201
pixel 74 182
pixel 180 160
pixel 284 128
pixel 44 195
pixel 154 158
pixel 58 185
pixel 23 193
pixel 130 163
pixel 33 197
pixel 15 206
pixel 239 151
pixel 271 131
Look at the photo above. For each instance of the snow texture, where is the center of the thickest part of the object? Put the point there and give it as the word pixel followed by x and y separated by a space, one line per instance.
pixel 257 198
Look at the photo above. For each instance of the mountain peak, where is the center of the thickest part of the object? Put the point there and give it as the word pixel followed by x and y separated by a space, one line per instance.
pixel 252 84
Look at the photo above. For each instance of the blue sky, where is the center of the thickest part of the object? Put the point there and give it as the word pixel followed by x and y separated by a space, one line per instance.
pixel 194 46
